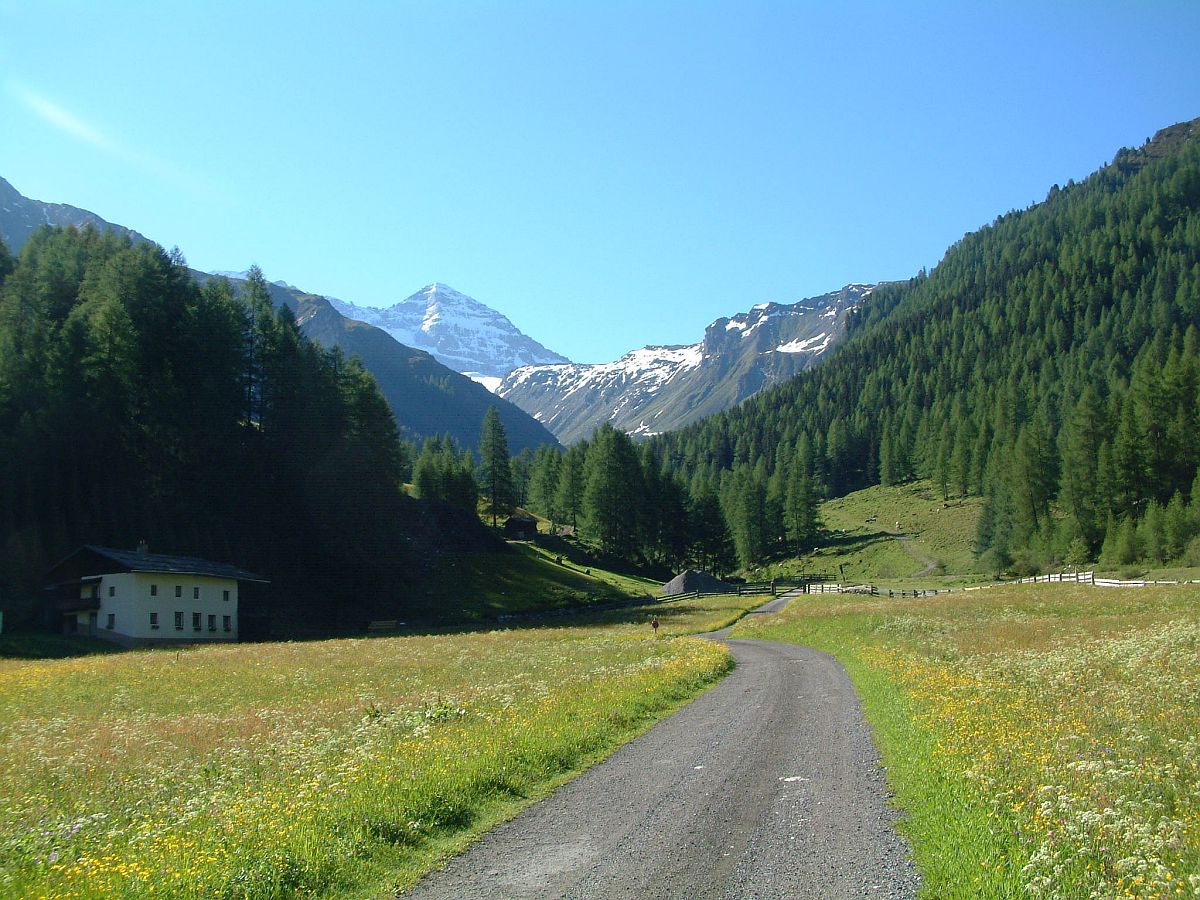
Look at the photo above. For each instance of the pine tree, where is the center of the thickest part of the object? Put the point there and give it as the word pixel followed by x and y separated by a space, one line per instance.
pixel 1079 484
pixel 571 484
pixel 544 475
pixel 712 545
pixel 613 493
pixel 1177 529
pixel 495 473
pixel 802 509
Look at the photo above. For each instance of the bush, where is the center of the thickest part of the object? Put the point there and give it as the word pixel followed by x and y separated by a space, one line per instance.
pixel 1191 555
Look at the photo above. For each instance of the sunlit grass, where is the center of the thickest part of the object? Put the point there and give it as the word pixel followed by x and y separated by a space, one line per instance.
pixel 860 547
pixel 678 617
pixel 1042 739
pixel 333 767
pixel 477 587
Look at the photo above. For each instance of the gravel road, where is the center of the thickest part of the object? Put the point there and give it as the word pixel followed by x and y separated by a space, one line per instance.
pixel 767 786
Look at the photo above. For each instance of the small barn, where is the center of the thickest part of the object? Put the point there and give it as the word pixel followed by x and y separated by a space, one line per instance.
pixel 520 528
pixel 137 598
pixel 691 580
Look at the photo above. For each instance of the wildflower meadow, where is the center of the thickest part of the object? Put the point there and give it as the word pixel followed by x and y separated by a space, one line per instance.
pixel 340 767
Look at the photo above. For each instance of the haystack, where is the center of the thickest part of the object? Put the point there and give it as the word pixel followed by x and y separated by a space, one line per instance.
pixel 691 580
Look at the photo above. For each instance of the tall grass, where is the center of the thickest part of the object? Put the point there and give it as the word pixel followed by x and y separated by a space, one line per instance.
pixel 1043 739
pixel 336 767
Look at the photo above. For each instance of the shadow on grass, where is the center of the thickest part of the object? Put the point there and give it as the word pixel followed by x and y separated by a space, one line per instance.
pixel 858 541
pixel 34 645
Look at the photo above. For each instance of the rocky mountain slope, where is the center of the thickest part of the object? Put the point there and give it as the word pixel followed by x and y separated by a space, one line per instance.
pixel 457 330
pixel 20 217
pixel 657 389
pixel 426 397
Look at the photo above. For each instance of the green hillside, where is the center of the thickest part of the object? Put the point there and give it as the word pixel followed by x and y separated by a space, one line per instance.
pixel 1051 361
pixel 891 535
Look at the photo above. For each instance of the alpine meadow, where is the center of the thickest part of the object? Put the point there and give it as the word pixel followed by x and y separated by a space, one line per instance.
pixel 790 553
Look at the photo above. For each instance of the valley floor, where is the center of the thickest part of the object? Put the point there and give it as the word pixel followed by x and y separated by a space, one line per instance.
pixel 766 786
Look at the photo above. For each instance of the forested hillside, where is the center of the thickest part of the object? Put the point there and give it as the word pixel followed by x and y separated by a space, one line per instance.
pixel 136 404
pixel 1051 362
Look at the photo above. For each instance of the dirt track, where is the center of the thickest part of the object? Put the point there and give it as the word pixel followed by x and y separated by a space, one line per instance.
pixel 766 786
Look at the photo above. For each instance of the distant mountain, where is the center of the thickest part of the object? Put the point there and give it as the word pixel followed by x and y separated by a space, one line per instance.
pixel 658 389
pixel 20 217
pixel 455 329
pixel 426 397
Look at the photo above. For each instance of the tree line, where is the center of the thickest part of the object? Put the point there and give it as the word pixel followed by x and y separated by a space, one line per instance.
pixel 137 404
pixel 620 497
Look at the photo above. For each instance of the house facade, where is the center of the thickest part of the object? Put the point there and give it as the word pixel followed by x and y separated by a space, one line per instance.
pixel 138 598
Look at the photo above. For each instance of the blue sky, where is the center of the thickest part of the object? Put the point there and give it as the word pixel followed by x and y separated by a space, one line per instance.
pixel 608 174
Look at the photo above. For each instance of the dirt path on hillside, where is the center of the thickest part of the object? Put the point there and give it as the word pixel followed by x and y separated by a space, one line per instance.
pixel 767 786
pixel 928 561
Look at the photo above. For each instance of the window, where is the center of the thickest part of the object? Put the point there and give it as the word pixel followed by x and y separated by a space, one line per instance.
pixel 154 590
pixel 212 622
pixel 154 620
pixel 227 622
pixel 112 591
pixel 179 590
pixel 225 596
pixel 179 620
pixel 112 621
pixel 195 621
pixel 195 593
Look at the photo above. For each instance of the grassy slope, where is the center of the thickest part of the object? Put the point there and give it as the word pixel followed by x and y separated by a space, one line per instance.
pixel 1041 739
pixel 864 543
pixel 327 767
pixel 485 586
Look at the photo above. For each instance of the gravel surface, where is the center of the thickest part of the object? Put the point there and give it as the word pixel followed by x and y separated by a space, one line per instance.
pixel 767 786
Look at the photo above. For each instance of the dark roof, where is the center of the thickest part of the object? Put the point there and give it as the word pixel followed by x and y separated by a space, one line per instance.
pixel 133 561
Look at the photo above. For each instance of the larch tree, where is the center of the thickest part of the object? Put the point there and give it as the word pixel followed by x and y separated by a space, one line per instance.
pixel 495 465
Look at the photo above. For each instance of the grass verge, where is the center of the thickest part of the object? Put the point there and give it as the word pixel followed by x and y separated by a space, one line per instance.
pixel 1041 739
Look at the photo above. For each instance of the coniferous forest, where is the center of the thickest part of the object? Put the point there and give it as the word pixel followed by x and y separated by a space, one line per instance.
pixel 136 404
pixel 1050 363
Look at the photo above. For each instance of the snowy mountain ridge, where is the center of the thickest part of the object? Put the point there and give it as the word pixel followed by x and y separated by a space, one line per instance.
pixel 457 330
pixel 663 388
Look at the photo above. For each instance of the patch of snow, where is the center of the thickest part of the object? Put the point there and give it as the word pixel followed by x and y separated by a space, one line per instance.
pixel 816 344
pixel 491 382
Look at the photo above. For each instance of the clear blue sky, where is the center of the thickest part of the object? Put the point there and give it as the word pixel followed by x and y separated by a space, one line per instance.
pixel 607 174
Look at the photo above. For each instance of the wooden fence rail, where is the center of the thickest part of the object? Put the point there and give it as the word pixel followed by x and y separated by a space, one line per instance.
pixel 1055 578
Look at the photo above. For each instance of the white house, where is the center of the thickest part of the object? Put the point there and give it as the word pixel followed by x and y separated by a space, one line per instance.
pixel 137 598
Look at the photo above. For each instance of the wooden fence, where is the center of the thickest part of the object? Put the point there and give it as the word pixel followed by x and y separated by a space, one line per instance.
pixel 752 587
pixel 1056 578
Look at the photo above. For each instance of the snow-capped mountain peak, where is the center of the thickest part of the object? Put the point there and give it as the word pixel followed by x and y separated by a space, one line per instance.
pixel 657 389
pixel 457 330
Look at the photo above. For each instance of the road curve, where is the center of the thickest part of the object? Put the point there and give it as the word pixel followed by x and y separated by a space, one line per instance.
pixel 767 786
